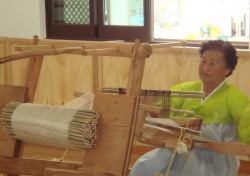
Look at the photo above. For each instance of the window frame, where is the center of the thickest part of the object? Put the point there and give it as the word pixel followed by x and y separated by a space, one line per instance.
pixel 127 33
pixel 96 30
pixel 70 31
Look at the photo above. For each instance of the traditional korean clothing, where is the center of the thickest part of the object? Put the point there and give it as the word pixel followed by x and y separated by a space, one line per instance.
pixel 223 115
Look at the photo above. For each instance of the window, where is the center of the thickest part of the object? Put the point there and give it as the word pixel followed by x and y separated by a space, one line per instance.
pixel 132 13
pixel 98 20
pixel 124 20
pixel 148 20
pixel 201 19
pixel 70 19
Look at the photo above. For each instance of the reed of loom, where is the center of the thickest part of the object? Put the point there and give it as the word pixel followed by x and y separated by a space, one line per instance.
pixel 159 98
pixel 82 131
pixel 157 93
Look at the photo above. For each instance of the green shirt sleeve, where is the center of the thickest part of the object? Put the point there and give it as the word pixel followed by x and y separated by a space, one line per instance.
pixel 239 107
pixel 244 125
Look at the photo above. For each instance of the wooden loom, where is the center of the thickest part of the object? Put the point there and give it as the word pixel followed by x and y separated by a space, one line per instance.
pixel 117 129
pixel 116 126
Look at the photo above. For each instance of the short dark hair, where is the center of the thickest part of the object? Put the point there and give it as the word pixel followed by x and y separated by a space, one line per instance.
pixel 226 47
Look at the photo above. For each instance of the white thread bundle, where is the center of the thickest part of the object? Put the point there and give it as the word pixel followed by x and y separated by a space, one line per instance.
pixel 50 125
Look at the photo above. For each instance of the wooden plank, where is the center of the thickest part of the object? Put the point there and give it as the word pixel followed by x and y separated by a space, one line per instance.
pixel 157 110
pixel 171 127
pixel 113 135
pixel 164 142
pixel 234 148
pixel 244 168
pixel 64 172
pixel 33 47
pixel 24 166
pixel 11 93
pixel 140 122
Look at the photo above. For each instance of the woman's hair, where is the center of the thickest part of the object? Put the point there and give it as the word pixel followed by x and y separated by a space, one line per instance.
pixel 226 47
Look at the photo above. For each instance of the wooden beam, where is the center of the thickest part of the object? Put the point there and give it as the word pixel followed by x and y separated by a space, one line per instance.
pixel 234 148
pixel 24 166
pixel 65 172
pixel 142 51
pixel 72 50
pixel 33 47
pixel 24 55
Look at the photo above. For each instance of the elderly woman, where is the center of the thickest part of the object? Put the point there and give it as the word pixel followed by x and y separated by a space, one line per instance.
pixel 224 116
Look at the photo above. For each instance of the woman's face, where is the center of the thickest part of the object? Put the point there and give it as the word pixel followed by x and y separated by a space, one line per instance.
pixel 212 68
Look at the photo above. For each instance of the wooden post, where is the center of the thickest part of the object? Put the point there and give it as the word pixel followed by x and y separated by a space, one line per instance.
pixel 33 72
pixel 32 76
pixel 140 53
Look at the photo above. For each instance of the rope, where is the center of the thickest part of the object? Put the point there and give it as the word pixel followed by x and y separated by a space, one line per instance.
pixel 181 138
pixel 175 151
pixel 173 156
pixel 63 156
pixel 185 136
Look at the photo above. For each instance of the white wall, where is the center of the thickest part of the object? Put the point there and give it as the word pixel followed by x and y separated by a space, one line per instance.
pixel 22 18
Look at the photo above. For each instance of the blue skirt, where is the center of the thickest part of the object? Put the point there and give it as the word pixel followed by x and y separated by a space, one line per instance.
pixel 199 162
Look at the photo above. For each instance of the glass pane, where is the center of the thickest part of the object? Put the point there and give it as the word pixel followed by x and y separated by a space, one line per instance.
pixel 206 19
pixel 71 11
pixel 124 12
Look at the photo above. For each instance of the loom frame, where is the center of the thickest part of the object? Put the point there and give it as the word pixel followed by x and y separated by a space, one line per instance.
pixel 12 162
